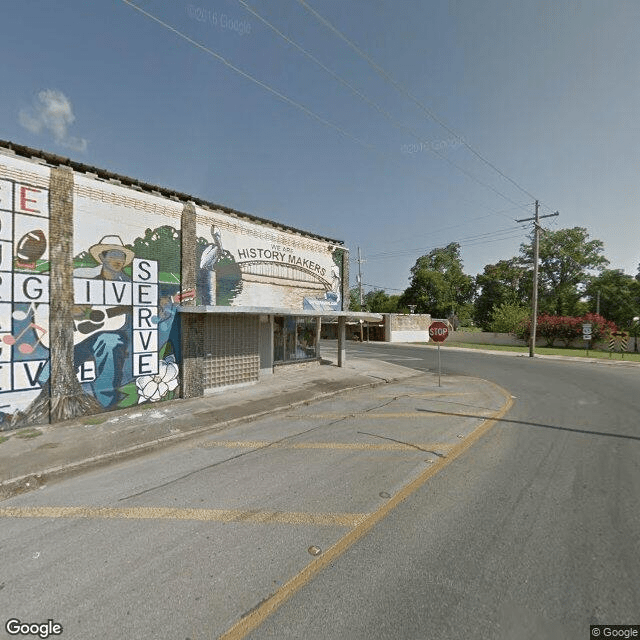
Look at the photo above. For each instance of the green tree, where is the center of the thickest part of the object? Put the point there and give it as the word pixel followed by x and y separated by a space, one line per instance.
pixel 376 301
pixel 439 286
pixel 354 299
pixel 379 302
pixel 500 284
pixel 567 259
pixel 506 317
pixel 619 296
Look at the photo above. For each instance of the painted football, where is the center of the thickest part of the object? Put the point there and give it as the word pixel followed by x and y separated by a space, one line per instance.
pixel 31 246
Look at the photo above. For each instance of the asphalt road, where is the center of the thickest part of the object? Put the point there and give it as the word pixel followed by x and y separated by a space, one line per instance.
pixel 533 533
pixel 530 531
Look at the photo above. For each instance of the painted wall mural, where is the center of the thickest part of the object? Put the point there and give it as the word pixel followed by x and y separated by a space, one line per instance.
pixel 127 287
pixel 24 301
pixel 126 294
pixel 245 264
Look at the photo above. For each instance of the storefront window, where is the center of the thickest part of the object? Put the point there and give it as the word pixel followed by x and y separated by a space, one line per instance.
pixel 294 339
pixel 306 346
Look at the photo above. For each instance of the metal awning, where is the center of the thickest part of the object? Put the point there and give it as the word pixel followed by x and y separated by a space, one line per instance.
pixel 277 311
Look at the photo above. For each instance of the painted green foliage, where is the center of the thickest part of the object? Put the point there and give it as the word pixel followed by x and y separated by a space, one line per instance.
pixel 164 245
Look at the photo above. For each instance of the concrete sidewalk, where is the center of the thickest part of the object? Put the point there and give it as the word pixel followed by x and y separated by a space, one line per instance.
pixel 33 456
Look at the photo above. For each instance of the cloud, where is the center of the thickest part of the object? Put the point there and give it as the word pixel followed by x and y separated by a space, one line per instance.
pixel 52 112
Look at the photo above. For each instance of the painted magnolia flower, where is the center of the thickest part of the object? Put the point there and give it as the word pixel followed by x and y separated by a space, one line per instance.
pixel 156 387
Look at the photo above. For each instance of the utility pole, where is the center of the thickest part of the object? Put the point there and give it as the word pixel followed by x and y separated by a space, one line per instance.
pixel 360 277
pixel 534 297
pixel 360 285
pixel 598 303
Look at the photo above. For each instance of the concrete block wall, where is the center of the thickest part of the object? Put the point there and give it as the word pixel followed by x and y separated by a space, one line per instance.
pixel 407 327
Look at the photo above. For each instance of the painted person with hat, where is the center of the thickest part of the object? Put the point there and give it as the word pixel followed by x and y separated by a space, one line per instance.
pixel 108 348
pixel 114 257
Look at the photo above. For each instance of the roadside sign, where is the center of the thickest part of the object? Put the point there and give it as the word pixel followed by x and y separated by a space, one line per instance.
pixel 438 331
pixel 618 341
pixel 587 329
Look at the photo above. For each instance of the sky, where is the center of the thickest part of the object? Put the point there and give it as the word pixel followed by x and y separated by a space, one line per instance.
pixel 396 127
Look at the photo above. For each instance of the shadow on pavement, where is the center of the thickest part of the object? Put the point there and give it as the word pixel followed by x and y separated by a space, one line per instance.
pixel 532 424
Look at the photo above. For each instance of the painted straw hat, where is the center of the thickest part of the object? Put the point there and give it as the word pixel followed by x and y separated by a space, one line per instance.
pixel 111 243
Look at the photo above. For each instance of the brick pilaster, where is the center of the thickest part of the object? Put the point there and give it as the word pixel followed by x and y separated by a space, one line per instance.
pixel 67 399
pixel 191 325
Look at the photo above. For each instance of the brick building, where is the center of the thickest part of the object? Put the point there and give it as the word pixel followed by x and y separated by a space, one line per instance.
pixel 115 293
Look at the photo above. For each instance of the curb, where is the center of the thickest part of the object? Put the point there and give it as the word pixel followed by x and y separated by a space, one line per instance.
pixel 31 481
pixel 513 354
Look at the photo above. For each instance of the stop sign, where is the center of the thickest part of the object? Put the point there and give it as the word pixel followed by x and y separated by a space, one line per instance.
pixel 438 331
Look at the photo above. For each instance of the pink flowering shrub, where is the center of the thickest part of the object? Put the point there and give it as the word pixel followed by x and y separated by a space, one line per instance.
pixel 565 328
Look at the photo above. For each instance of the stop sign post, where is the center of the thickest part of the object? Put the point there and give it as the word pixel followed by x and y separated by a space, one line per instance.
pixel 438 332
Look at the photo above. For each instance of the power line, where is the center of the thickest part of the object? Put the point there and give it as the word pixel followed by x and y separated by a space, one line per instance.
pixel 386 76
pixel 248 76
pixel 394 121
pixel 263 85
pixel 377 286
pixel 421 251
pixel 480 238
pixel 453 226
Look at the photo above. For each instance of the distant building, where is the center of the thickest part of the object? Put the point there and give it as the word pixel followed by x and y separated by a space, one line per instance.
pixel 393 327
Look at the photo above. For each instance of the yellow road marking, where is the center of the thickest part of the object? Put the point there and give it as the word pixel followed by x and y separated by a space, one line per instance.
pixel 259 614
pixel 341 446
pixel 364 414
pixel 428 394
pixel 162 513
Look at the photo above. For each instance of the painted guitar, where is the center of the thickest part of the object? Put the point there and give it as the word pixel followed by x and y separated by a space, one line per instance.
pixel 90 320
pixel 87 320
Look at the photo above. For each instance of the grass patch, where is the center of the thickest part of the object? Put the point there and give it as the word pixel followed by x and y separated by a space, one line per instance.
pixel 551 351
pixel 3 439
pixel 28 433
pixel 95 420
